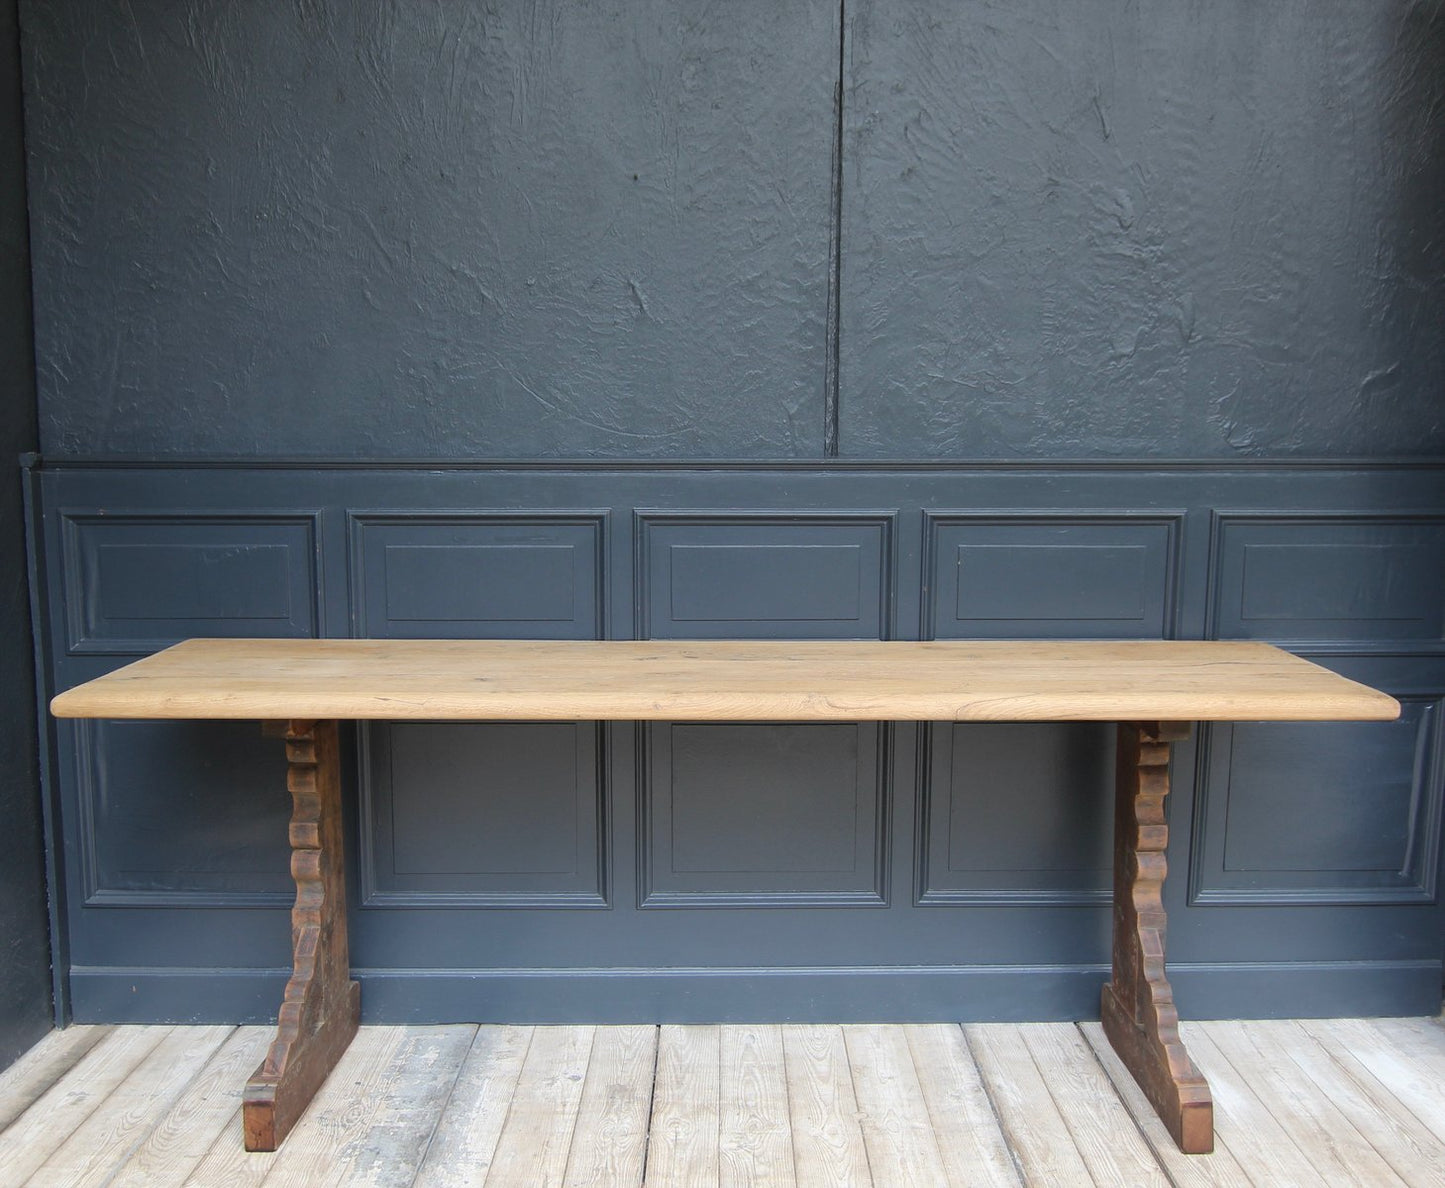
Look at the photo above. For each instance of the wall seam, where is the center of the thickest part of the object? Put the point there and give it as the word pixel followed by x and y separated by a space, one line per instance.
pixel 831 383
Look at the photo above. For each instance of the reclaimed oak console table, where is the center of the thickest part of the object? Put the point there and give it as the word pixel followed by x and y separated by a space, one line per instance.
pixel 1152 689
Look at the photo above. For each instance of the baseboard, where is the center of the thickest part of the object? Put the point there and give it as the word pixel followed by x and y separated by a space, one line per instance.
pixel 903 994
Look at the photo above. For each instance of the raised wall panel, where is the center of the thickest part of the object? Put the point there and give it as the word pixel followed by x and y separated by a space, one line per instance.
pixel 182 814
pixel 1367 579
pixel 1338 812
pixel 740 576
pixel 759 856
pixel 136 583
pixel 504 814
pixel 464 576
pixel 1059 575
pixel 1017 813
pixel 763 814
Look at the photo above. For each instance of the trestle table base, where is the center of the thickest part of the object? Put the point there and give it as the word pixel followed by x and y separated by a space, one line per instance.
pixel 1138 1003
pixel 322 1005
pixel 321 1008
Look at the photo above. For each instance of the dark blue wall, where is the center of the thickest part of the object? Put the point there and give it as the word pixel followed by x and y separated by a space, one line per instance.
pixel 811 238
pixel 1143 229
pixel 385 229
pixel 1135 228
pixel 694 871
pixel 24 954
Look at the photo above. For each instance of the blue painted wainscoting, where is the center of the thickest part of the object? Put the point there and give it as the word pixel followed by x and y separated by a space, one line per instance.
pixel 610 871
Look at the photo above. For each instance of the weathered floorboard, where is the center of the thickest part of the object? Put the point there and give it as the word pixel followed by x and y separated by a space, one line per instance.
pixel 969 1138
pixel 1256 1137
pixel 537 1135
pixel 131 1110
pixel 1322 1131
pixel 373 1129
pixel 755 1138
pixel 33 1137
pixel 823 1109
pixel 408 1107
pixel 32 1076
pixel 1299 1103
pixel 1405 1073
pixel 339 1114
pixel 683 1148
pixel 609 1141
pixel 471 1121
pixel 1104 1134
pixel 228 1164
pixel 1036 1131
pixel 897 1133
pixel 209 1106
pixel 1391 1130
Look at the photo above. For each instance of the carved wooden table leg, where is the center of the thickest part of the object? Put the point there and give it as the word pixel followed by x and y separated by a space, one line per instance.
pixel 1138 1006
pixel 322 1006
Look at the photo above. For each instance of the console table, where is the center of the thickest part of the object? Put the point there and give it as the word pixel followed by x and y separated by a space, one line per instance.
pixel 1152 689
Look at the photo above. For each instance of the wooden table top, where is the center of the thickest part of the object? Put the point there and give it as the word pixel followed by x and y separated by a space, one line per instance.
pixel 778 680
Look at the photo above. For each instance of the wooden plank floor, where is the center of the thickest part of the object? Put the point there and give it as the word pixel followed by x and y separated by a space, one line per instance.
pixel 1357 1102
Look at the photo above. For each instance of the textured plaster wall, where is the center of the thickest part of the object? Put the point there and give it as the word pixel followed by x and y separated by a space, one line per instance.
pixel 549 228
pixel 1144 228
pixel 24 948
pixel 379 229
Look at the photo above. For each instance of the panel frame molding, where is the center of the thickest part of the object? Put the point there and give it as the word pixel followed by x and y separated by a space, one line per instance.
pixel 1419 880
pixel 936 519
pixel 879 896
pixel 644 519
pixel 359 519
pixel 78 642
pixel 1220 519
pixel 372 895
pixel 928 815
pixel 94 892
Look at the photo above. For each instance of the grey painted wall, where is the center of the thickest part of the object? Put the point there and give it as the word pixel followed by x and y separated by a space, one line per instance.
pixel 24 952
pixel 1144 229
pixel 652 231
pixel 386 229
pixel 557 229
pixel 694 871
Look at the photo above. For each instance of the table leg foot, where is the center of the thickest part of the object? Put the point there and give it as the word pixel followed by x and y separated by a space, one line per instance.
pixel 322 1005
pixel 1138 1004
pixel 1176 1090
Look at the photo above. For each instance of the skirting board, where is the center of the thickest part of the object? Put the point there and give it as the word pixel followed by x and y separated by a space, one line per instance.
pixel 905 994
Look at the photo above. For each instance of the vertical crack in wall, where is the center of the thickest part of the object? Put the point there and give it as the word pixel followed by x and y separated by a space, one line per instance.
pixel 835 254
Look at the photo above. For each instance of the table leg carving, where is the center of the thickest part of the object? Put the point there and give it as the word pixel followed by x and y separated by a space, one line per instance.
pixel 322 1005
pixel 1138 1004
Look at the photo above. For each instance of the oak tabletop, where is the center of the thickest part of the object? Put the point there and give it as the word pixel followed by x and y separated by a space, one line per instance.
pixel 726 680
